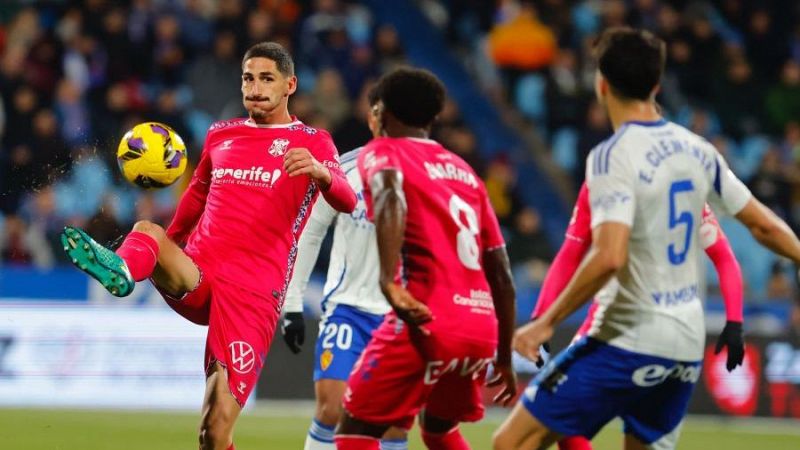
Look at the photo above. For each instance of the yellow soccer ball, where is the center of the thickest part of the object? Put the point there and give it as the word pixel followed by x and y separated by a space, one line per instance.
pixel 151 155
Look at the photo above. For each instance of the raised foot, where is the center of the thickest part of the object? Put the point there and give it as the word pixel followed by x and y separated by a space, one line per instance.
pixel 99 262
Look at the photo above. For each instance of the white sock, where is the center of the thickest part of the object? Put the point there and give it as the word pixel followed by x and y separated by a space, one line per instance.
pixel 394 444
pixel 319 437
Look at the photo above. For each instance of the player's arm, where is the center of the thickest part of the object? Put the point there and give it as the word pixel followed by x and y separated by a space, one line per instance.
pixel 770 230
pixel 324 171
pixel 721 255
pixel 577 242
pixel 293 326
pixel 192 202
pixel 612 201
pixel 608 254
pixel 497 269
pixel 731 195
pixel 389 216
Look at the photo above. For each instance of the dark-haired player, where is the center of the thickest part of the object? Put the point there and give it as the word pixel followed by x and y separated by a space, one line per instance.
pixel 352 308
pixel 648 185
pixel 444 271
pixel 240 220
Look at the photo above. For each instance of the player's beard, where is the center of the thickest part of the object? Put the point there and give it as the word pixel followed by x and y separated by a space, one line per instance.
pixel 259 113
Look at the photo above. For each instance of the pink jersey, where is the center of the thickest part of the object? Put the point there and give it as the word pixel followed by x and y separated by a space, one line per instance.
pixel 449 225
pixel 578 240
pixel 242 214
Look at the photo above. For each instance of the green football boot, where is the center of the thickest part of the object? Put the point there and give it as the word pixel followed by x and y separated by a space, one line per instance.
pixel 101 263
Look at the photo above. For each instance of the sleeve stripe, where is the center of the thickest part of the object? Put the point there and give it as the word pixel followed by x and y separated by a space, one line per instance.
pixel 603 155
pixel 717 178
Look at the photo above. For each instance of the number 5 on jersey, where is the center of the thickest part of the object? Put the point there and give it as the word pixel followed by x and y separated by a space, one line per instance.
pixel 684 218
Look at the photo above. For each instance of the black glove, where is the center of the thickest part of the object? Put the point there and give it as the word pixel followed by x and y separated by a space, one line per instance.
pixel 732 338
pixel 293 328
pixel 544 348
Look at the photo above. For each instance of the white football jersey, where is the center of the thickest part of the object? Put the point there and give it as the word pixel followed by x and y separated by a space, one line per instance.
pixel 354 265
pixel 655 177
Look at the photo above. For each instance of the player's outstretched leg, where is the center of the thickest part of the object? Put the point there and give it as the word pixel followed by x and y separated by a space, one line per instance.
pixel 101 263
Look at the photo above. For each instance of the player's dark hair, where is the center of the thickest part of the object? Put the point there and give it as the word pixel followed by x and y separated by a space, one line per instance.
pixel 373 95
pixel 274 51
pixel 414 96
pixel 632 61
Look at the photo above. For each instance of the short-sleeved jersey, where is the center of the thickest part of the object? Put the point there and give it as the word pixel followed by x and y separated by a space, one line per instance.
pixel 254 212
pixel 655 177
pixel 354 266
pixel 449 226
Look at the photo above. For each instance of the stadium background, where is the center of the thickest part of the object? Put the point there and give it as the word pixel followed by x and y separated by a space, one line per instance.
pixel 74 75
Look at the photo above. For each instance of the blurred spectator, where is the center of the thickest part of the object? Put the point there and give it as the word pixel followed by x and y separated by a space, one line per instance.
pixel 20 116
pixel 73 113
pixel 783 99
pixel 565 97
pixel 771 185
pixel 501 185
pixel 354 131
pixel 522 43
pixel 213 77
pixel 767 43
pixel 528 241
pixel 388 50
pixel 738 99
pixel 51 154
pixel 330 98
pixel 22 245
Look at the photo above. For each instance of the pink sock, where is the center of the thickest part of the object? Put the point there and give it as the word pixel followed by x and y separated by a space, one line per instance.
pixel 452 440
pixel 574 443
pixel 352 442
pixel 140 252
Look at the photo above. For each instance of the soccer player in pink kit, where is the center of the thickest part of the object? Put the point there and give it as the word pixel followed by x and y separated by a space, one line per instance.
pixel 443 269
pixel 578 241
pixel 240 220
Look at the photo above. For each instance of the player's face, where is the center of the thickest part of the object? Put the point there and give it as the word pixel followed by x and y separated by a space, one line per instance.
pixel 374 118
pixel 264 88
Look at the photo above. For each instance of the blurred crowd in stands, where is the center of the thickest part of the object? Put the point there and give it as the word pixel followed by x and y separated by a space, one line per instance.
pixel 74 75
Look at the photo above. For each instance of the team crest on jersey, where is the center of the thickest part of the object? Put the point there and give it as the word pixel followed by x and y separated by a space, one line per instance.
pixel 279 147
pixel 325 359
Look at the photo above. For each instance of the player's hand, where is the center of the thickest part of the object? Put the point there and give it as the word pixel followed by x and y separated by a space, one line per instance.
pixel 544 351
pixel 732 338
pixel 300 161
pixel 529 338
pixel 408 309
pixel 504 375
pixel 293 328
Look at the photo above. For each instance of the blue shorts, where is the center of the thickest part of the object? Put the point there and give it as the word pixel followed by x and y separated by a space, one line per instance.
pixel 342 338
pixel 590 383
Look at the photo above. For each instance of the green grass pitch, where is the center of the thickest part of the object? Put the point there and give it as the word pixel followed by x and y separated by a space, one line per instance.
pixel 31 429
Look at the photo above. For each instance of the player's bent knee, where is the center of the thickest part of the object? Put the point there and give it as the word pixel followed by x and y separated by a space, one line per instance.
pixel 329 411
pixel 154 230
